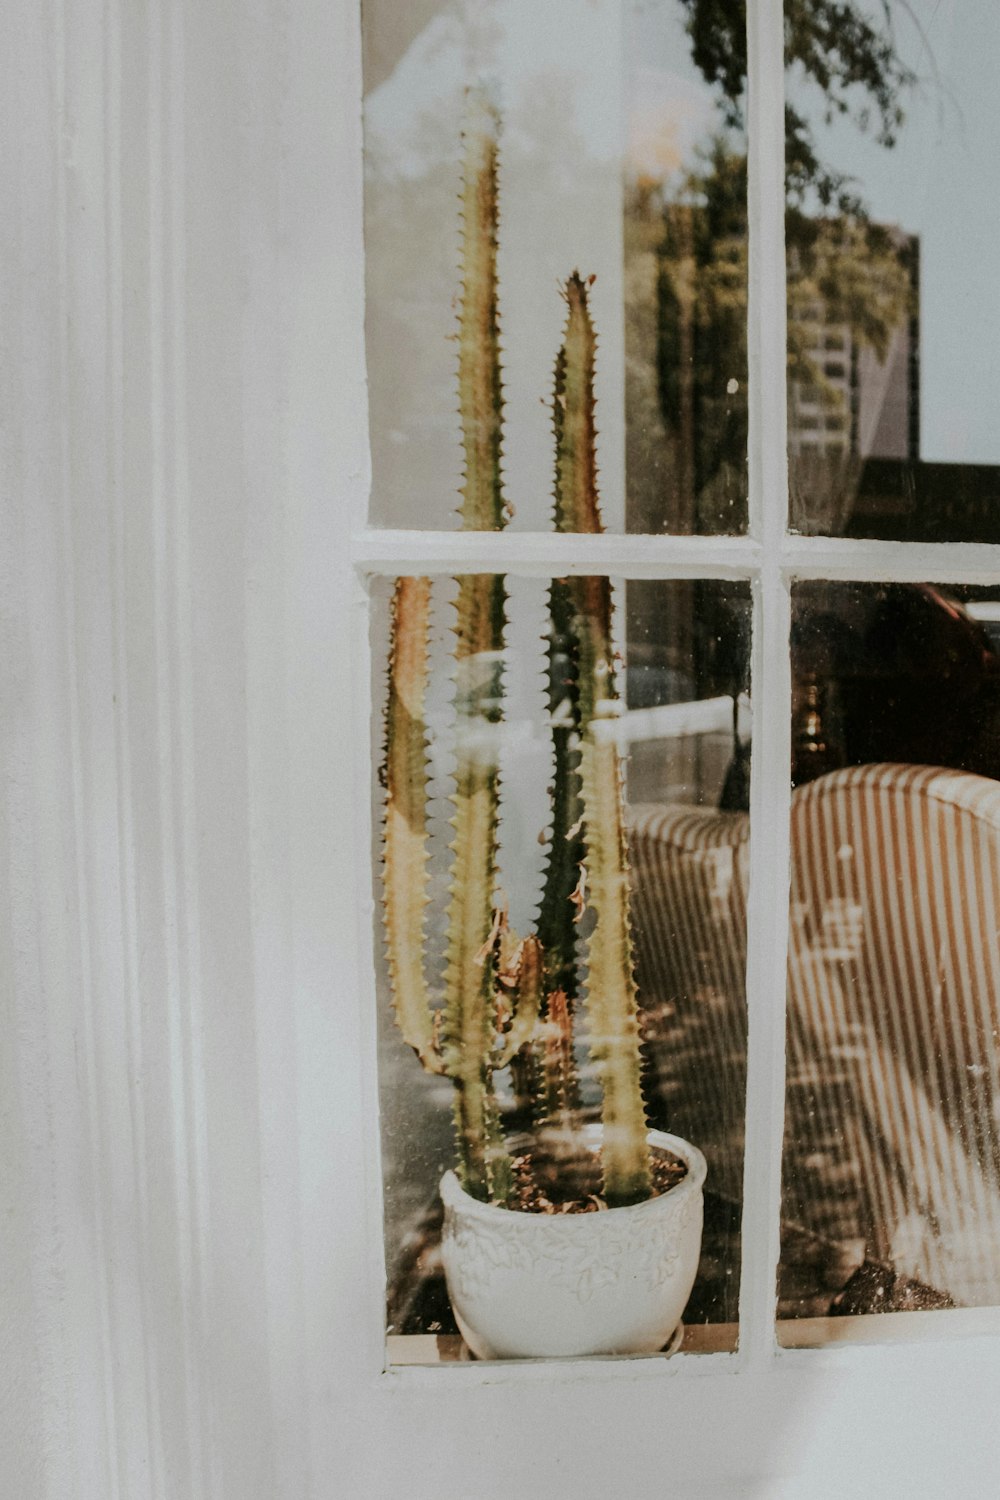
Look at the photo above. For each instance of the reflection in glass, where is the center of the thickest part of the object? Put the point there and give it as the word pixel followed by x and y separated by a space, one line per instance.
pixel 622 154
pixel 891 1189
pixel 678 732
pixel 891 228
pixel 893 672
pixel 553 73
pixel 686 268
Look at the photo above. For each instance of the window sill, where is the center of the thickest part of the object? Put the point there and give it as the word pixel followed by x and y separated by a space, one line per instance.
pixel 798 1334
pixel 447 1349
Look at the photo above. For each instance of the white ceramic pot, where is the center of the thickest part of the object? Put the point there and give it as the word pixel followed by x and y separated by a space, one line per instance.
pixel 528 1285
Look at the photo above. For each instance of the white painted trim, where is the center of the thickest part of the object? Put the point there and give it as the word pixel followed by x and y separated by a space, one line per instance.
pixel 825 1338
pixel 548 555
pixel 767 915
pixel 542 554
pixel 368 934
pixel 948 1323
pixel 766 311
pixel 909 562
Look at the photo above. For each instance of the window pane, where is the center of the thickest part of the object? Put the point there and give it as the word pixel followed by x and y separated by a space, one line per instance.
pixel 892 223
pixel 506 146
pixel 686 270
pixel 679 734
pixel 892 1147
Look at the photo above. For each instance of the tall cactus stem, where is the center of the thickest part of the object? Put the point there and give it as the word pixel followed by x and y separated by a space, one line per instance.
pixel 469 1019
pixel 480 385
pixel 612 1009
pixel 405 877
pixel 508 1001
pixel 556 926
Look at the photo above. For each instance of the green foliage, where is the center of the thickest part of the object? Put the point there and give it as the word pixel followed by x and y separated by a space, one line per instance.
pixel 692 385
pixel 686 258
pixel 834 44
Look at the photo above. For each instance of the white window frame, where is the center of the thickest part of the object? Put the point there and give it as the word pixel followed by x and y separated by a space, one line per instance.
pixel 194 1278
pixel 770 559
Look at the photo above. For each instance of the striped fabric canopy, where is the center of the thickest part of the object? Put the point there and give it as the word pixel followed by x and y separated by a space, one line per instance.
pixel 892 1132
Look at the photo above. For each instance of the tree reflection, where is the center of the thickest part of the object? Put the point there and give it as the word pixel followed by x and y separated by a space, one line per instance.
pixel 686 251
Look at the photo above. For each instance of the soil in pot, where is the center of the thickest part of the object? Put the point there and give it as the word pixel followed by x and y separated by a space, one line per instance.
pixel 555 1177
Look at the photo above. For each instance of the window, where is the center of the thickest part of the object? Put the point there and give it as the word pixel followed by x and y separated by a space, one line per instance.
pixel 663 226
pixel 892 1076
pixel 192 1178
pixel 647 185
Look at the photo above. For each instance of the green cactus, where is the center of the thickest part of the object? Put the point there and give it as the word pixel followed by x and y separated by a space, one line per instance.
pixel 460 1038
pixel 612 1010
pixel 506 1000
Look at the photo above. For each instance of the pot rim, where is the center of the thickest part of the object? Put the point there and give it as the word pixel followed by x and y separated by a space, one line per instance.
pixel 454 1195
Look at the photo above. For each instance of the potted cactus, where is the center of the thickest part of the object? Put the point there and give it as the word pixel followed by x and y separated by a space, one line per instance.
pixel 575 1236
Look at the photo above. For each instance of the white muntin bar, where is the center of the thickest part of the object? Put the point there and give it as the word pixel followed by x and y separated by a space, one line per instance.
pixel 904 562
pixel 552 555
pixel 767 909
pixel 364 709
pixel 766 314
pixel 545 554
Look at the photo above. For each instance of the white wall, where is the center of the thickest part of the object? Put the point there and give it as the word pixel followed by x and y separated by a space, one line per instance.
pixel 183 437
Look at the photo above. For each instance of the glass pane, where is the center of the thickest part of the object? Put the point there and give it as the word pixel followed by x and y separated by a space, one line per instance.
pixel 892 1144
pixel 686 269
pixel 592 685
pixel 893 308
pixel 508 146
